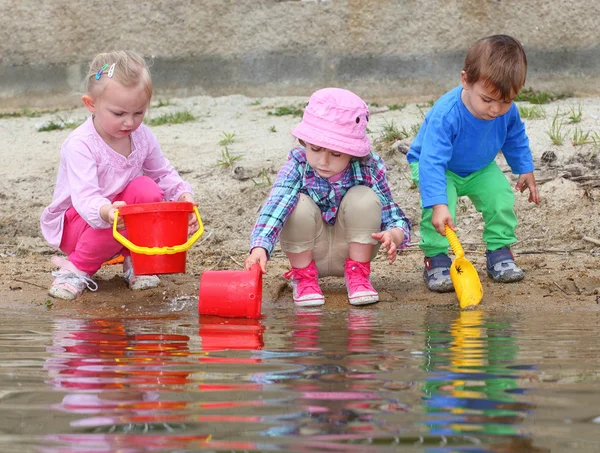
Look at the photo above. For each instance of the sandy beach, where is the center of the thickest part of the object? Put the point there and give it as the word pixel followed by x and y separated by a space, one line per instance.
pixel 230 154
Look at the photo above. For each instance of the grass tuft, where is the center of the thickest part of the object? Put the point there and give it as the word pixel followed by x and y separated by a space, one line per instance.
pixel 555 133
pixel 58 124
pixel 293 110
pixel 574 114
pixel 580 137
pixel 532 113
pixel 173 118
pixel 539 97
pixel 396 106
pixel 227 139
pixel 227 160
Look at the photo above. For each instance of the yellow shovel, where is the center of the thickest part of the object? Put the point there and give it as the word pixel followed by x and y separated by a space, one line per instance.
pixel 464 276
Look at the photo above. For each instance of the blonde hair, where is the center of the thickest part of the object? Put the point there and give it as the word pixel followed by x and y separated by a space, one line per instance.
pixel 499 61
pixel 130 70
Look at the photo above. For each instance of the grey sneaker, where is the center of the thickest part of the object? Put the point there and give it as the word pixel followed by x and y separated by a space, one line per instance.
pixel 501 266
pixel 137 282
pixel 437 273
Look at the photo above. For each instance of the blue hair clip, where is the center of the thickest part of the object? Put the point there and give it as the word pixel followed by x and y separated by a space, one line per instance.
pixel 100 71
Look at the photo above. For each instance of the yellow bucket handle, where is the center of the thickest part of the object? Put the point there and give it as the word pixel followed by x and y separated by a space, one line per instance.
pixel 167 250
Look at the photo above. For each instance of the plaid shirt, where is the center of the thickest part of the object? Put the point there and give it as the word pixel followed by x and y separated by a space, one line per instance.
pixel 297 176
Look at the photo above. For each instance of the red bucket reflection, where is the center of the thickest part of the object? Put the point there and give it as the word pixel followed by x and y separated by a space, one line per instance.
pixel 218 334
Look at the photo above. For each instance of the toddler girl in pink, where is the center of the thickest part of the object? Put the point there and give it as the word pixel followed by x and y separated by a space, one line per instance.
pixel 110 160
pixel 330 207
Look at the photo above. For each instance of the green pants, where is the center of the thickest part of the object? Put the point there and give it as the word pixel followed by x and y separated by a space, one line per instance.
pixel 491 194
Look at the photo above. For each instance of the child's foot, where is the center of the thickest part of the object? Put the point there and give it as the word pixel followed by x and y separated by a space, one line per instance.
pixel 136 282
pixel 305 281
pixel 437 273
pixel 70 282
pixel 360 290
pixel 501 266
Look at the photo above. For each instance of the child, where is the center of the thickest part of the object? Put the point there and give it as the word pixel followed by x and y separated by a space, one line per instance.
pixel 101 168
pixel 331 203
pixel 453 156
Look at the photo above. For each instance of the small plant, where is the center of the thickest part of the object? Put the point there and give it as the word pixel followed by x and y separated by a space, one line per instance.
pixel 293 110
pixel 58 124
pixel 255 103
pixel 162 103
pixel 265 179
pixel 532 113
pixel 227 139
pixel 426 105
pixel 421 112
pixel 48 304
pixel 26 113
pixel 596 141
pixel 391 133
pixel 539 97
pixel 396 106
pixel 227 160
pixel 272 129
pixel 414 129
pixel 580 138
pixel 173 118
pixel 574 116
pixel 555 133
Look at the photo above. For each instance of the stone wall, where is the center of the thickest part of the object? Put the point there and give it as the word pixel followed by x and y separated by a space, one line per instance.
pixel 383 49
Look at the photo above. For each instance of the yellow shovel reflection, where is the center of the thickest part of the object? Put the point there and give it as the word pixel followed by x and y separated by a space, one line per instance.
pixel 464 276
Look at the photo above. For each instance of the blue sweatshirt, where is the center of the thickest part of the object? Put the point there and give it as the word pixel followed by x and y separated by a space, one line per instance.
pixel 451 138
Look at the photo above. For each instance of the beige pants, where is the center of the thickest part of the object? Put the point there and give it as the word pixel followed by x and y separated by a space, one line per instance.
pixel 359 216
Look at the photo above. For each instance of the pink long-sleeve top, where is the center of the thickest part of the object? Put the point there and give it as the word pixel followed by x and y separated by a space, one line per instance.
pixel 91 174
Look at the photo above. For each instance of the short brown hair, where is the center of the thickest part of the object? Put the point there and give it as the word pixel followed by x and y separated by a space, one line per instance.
pixel 499 61
pixel 130 71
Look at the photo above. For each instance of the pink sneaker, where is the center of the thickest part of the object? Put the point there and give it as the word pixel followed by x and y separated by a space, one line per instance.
pixel 307 292
pixel 360 290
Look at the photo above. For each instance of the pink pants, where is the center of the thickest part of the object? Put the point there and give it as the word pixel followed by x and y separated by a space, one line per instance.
pixel 88 248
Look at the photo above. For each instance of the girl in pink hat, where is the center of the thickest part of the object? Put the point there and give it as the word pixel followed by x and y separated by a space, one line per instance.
pixel 330 207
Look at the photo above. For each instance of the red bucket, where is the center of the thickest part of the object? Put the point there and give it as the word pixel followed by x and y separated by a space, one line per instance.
pixel 231 294
pixel 163 224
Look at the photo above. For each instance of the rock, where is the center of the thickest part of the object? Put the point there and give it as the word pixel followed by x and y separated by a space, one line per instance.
pixel 401 146
pixel 243 173
pixel 548 157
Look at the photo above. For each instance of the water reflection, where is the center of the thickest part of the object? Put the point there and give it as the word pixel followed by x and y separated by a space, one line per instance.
pixel 112 379
pixel 472 383
pixel 358 380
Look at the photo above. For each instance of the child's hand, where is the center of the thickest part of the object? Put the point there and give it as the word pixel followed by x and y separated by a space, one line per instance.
pixel 258 255
pixel 442 217
pixel 107 213
pixel 389 240
pixel 527 181
pixel 193 225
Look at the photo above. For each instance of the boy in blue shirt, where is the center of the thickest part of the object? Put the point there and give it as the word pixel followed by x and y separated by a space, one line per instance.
pixel 453 155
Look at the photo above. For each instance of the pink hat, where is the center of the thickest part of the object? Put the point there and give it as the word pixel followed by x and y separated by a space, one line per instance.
pixel 336 119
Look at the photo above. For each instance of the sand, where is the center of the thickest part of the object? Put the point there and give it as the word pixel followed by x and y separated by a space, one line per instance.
pixel 555 245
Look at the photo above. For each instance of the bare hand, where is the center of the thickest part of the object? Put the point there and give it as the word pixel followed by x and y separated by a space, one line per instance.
pixel 442 217
pixel 107 213
pixel 258 255
pixel 389 240
pixel 527 181
pixel 193 224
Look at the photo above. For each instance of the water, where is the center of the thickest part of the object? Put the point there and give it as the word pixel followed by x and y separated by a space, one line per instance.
pixel 361 380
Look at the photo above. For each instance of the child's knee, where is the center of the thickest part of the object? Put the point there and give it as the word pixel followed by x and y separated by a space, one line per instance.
pixel 145 190
pixel 361 204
